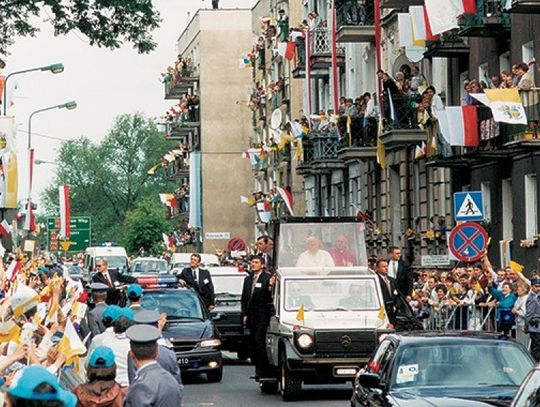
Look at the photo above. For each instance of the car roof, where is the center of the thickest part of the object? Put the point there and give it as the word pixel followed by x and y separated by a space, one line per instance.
pixel 436 337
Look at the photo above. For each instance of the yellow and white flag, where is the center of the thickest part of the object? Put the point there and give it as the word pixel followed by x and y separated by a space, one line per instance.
pixel 71 345
pixel 300 315
pixel 9 331
pixel 24 299
pixel 506 106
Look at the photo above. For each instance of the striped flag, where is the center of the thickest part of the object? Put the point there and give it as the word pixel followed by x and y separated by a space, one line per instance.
pixel 460 126
pixel 5 228
pixel 65 211
pixel 71 345
pixel 13 270
pixel 506 106
pixel 29 221
pixel 287 198
pixel 442 14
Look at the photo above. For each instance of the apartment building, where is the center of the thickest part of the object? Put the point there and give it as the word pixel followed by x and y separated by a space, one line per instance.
pixel 214 128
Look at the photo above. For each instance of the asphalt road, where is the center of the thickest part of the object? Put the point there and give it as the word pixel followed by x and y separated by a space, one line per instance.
pixel 237 390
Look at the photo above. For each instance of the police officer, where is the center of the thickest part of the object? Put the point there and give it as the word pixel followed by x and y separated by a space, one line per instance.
pixel 256 313
pixel 532 317
pixel 152 385
pixel 99 295
pixel 166 357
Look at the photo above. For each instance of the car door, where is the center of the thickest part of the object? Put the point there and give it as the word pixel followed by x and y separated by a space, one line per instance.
pixel 381 364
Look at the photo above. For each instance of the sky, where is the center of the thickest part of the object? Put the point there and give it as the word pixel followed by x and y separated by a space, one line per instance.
pixel 104 84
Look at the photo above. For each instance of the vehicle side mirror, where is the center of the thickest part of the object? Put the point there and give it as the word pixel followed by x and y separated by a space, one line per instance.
pixel 370 380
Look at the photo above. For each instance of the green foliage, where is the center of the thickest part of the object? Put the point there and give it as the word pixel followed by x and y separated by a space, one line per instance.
pixel 109 179
pixel 106 23
pixel 145 225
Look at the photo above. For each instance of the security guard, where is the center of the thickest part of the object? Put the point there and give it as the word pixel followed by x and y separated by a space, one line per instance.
pixel 99 294
pixel 135 293
pixel 153 385
pixel 166 357
pixel 532 318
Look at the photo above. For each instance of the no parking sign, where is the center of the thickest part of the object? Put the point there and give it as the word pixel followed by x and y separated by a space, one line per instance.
pixel 468 241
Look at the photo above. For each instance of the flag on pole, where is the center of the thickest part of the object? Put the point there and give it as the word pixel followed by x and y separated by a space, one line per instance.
pixel 381 152
pixel 460 126
pixel 9 331
pixel 506 105
pixel 29 222
pixel 382 313
pixel 65 211
pixel 418 23
pixel 13 270
pixel 5 228
pixel 287 198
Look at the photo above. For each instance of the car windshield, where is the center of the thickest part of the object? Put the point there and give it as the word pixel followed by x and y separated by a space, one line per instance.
pixel 177 304
pixel 231 284
pixel 150 266
pixel 115 262
pixel 321 245
pixel 331 294
pixel 461 365
pixel 180 266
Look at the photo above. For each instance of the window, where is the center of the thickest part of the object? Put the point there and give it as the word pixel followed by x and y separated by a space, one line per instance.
pixel 486 197
pixel 507 209
pixel 531 206
pixel 527 50
pixel 504 62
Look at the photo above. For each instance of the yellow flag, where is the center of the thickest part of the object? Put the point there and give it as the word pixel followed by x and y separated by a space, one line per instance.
pixel 478 288
pixel 503 95
pixel 515 266
pixel 300 314
pixel 382 313
pixel 381 152
pixel 71 345
pixel 9 331
pixel 153 170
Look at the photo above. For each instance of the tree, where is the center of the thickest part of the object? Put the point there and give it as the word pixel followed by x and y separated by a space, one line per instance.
pixel 107 180
pixel 144 226
pixel 106 23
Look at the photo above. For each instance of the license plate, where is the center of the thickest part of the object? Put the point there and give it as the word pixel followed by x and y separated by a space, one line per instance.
pixel 346 372
pixel 183 361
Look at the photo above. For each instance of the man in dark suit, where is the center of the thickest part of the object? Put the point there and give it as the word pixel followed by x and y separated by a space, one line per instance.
pixel 265 245
pixel 200 280
pixel 112 279
pixel 388 289
pixel 99 295
pixel 400 270
pixel 256 313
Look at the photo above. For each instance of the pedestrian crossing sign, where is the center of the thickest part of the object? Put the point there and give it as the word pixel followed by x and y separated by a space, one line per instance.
pixel 468 206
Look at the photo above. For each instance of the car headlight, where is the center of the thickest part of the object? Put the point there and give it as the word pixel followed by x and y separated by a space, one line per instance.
pixel 305 341
pixel 210 343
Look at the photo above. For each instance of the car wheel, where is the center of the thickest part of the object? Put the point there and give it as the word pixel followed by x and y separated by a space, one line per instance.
pixel 290 384
pixel 269 387
pixel 215 376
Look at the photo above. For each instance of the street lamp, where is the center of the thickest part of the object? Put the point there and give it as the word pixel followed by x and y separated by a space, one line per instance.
pixel 68 105
pixel 54 68
pixel 37 161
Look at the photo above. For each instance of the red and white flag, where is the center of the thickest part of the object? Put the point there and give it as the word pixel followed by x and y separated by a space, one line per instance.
pixel 443 14
pixel 13 270
pixel 29 221
pixel 5 228
pixel 65 215
pixel 287 198
pixel 459 125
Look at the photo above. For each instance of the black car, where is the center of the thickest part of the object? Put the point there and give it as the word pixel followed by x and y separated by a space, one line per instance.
pixel 227 314
pixel 529 392
pixel 442 369
pixel 189 328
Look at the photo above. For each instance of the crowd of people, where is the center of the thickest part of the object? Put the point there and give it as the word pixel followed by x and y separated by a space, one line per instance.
pixel 183 68
pixel 186 110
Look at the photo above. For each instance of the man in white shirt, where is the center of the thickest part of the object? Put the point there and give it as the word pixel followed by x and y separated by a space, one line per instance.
pixel 119 344
pixel 314 256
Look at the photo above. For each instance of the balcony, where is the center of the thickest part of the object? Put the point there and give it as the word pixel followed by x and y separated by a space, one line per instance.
pixel 489 21
pixel 401 127
pixel 320 41
pixel 178 168
pixel 525 6
pixel 359 139
pixel 449 45
pixel 320 152
pixel 185 132
pixel 401 4
pixel 500 141
pixel 178 85
pixel 355 23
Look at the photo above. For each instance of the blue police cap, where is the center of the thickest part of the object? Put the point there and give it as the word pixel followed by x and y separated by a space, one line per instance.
pixel 134 290
pixel 143 334
pixel 112 312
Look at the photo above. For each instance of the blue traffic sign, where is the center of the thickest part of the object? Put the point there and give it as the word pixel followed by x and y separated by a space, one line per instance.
pixel 468 241
pixel 468 206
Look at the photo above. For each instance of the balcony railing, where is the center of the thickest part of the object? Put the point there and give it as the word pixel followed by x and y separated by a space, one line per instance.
pixel 178 168
pixel 178 84
pixel 401 3
pixel 355 21
pixel 401 111
pixel 449 45
pixel 525 6
pixel 321 42
pixel 360 132
pixel 490 20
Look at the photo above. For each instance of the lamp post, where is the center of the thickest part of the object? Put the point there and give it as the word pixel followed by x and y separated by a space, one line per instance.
pixel 37 161
pixel 54 68
pixel 28 225
pixel 68 105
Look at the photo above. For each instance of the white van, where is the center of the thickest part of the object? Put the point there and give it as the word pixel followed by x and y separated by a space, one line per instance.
pixel 180 261
pixel 116 258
